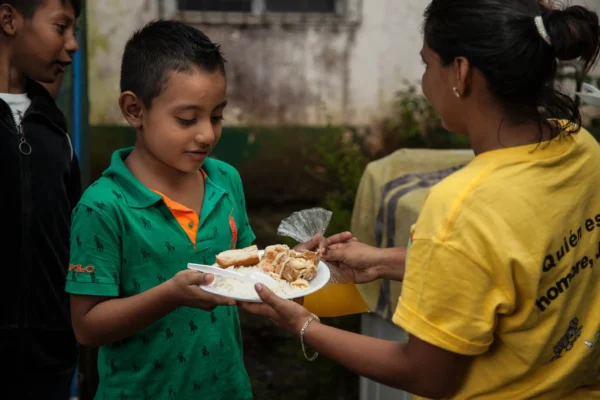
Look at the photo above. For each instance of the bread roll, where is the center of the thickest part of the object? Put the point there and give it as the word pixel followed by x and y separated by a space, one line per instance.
pixel 238 257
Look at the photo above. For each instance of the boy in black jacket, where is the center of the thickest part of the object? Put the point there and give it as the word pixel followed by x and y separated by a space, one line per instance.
pixel 40 186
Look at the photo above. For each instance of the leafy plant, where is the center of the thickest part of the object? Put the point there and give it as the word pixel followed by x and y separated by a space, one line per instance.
pixel 339 164
pixel 415 124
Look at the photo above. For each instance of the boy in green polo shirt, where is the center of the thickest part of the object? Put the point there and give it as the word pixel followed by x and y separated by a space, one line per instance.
pixel 158 207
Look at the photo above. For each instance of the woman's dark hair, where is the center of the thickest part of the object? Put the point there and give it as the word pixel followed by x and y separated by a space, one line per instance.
pixel 501 40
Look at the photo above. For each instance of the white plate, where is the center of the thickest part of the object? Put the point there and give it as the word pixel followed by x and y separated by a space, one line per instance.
pixel 589 94
pixel 588 98
pixel 321 279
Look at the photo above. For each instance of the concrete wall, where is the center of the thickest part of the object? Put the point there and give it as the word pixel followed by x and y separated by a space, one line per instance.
pixel 110 23
pixel 285 73
pixel 281 73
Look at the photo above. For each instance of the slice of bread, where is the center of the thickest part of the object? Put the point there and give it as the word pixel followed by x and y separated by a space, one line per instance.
pixel 238 257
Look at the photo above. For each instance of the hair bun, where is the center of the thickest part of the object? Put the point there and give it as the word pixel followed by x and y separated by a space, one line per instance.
pixel 575 33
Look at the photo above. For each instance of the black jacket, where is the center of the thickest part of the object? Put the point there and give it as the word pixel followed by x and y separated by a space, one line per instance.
pixel 40 187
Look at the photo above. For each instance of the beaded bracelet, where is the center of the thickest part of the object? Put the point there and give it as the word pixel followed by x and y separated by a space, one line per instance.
pixel 311 319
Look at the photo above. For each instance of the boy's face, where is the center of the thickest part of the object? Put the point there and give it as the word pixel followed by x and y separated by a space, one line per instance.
pixel 43 45
pixel 184 122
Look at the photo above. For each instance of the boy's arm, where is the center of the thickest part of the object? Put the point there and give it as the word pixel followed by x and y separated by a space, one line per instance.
pixel 98 315
pixel 100 320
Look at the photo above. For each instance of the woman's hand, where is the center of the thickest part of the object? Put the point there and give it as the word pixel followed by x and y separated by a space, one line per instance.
pixel 357 261
pixel 286 314
pixel 320 242
pixel 363 263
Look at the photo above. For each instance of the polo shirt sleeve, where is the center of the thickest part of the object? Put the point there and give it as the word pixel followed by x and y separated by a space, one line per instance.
pixel 95 260
pixel 245 234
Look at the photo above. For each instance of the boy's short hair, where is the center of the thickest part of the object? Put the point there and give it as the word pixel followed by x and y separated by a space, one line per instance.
pixel 160 48
pixel 29 7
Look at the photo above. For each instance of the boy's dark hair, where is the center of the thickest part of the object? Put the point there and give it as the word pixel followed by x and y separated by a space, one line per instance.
pixel 29 7
pixel 500 39
pixel 160 48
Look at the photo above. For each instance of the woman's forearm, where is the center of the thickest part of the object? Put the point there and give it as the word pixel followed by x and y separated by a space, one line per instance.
pixel 391 263
pixel 383 361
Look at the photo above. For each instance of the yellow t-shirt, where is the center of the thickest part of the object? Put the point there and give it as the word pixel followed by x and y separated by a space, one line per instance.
pixel 504 267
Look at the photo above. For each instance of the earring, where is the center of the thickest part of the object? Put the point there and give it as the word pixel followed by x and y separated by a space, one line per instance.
pixel 456 92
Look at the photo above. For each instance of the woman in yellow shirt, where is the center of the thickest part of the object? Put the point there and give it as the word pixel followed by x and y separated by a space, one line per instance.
pixel 500 292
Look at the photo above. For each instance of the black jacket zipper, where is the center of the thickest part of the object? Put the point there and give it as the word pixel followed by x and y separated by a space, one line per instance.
pixel 27 204
pixel 25 150
pixel 25 174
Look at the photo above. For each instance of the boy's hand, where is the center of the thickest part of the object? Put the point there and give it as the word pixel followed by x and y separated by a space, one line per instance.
pixel 185 291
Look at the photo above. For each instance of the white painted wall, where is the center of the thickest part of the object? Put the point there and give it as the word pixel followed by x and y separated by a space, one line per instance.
pixel 307 75
pixel 110 23
pixel 386 53
pixel 280 75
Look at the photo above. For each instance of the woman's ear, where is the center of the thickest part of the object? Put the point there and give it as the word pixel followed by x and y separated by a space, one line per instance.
pixel 462 75
pixel 132 108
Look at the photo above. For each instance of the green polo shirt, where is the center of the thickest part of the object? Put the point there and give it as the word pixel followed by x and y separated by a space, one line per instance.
pixel 126 239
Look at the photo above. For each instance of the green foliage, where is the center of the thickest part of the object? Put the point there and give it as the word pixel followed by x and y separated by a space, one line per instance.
pixel 415 124
pixel 339 164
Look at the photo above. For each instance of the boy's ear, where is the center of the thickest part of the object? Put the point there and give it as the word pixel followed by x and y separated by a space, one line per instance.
pixel 132 109
pixel 8 19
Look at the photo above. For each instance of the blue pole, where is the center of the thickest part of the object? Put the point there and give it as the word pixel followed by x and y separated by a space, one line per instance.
pixel 76 134
pixel 77 103
pixel 74 392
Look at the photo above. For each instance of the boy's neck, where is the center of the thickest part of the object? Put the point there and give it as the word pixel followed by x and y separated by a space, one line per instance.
pixel 11 80
pixel 155 175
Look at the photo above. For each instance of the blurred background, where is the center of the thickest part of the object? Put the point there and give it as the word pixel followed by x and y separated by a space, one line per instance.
pixel 323 95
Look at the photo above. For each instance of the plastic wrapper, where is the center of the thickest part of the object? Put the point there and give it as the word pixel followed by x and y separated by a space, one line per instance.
pixel 303 225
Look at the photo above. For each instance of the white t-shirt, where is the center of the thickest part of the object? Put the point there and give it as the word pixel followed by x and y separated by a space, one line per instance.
pixel 18 103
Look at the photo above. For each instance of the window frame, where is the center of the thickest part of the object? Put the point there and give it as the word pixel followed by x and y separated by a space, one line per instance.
pixel 346 12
